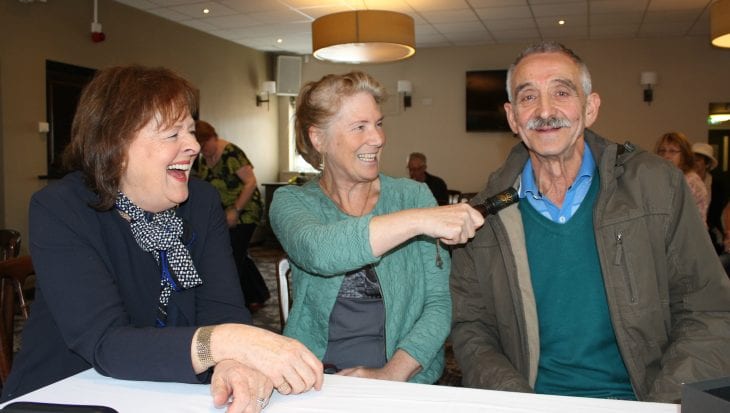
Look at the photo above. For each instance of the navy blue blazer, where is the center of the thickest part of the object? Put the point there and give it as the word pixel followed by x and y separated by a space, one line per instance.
pixel 97 291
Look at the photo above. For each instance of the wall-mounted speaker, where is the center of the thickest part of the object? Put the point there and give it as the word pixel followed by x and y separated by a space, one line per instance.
pixel 288 75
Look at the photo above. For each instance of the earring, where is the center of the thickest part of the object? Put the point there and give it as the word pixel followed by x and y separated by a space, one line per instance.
pixel 321 164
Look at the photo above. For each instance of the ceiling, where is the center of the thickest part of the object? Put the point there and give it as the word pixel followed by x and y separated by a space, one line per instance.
pixel 284 26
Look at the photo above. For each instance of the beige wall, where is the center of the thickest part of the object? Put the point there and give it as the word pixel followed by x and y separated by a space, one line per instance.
pixel 691 75
pixel 227 74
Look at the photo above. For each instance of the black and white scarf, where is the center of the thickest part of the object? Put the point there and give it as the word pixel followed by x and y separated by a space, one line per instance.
pixel 161 236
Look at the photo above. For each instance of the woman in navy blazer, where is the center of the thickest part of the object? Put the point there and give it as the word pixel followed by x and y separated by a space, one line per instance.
pixel 135 276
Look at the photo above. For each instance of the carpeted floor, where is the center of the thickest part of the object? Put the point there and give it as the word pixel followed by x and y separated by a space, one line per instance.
pixel 266 256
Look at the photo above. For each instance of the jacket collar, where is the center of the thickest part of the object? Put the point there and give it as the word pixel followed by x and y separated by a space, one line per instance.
pixel 608 157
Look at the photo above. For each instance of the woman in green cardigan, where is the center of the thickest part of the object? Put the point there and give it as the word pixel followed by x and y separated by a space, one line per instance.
pixel 371 289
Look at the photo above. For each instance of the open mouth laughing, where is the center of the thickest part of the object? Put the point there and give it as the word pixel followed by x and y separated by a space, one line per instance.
pixel 367 157
pixel 179 171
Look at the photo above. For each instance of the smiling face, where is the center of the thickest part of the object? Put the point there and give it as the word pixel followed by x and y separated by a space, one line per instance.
pixel 550 109
pixel 353 140
pixel 158 164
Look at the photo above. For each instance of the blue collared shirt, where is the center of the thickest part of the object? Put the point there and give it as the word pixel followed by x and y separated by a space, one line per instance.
pixel 573 198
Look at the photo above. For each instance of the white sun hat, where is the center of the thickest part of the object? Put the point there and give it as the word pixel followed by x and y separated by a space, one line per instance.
pixel 705 150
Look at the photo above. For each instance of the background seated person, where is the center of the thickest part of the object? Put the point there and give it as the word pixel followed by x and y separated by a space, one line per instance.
pixel 363 245
pixel 135 276
pixel 417 171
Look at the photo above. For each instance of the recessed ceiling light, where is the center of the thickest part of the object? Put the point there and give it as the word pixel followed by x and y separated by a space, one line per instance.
pixel 561 22
pixel 279 40
pixel 206 11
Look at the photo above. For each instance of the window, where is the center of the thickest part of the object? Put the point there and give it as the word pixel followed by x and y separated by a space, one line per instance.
pixel 296 162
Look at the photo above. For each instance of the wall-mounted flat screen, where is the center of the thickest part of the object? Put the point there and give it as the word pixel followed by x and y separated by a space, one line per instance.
pixel 485 98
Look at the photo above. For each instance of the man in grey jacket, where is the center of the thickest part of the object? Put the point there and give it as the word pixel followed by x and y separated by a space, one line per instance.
pixel 601 281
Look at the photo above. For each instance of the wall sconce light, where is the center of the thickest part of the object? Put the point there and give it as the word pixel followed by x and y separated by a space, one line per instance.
pixel 648 80
pixel 267 88
pixel 720 23
pixel 404 89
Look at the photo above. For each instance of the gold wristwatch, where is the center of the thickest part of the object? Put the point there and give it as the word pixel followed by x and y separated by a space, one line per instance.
pixel 202 346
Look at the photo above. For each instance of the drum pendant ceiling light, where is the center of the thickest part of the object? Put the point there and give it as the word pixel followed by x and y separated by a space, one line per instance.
pixel 363 36
pixel 720 23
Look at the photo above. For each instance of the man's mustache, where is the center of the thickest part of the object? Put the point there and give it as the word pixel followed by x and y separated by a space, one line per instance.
pixel 551 122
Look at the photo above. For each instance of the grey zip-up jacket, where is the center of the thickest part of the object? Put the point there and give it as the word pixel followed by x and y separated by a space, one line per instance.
pixel 667 293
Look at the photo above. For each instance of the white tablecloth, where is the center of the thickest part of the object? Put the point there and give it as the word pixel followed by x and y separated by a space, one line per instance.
pixel 339 394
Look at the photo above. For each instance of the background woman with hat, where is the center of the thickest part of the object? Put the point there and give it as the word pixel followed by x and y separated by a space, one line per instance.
pixel 704 163
pixel 717 189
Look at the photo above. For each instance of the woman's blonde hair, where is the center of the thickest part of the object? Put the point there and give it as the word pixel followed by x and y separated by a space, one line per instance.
pixel 319 102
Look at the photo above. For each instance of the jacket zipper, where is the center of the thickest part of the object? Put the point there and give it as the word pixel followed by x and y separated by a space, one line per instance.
pixel 619 255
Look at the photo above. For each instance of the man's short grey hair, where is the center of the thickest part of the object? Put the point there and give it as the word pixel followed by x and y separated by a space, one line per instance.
pixel 551 47
pixel 417 155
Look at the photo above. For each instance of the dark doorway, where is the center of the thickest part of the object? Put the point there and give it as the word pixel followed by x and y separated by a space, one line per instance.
pixel 720 140
pixel 64 83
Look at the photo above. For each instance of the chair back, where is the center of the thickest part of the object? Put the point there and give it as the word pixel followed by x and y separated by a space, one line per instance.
pixel 454 196
pixel 282 285
pixel 9 244
pixel 466 196
pixel 13 272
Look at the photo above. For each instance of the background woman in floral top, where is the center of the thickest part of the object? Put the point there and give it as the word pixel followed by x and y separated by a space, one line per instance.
pixel 227 168
pixel 675 147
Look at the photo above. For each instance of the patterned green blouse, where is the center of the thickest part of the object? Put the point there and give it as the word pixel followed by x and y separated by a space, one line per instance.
pixel 223 177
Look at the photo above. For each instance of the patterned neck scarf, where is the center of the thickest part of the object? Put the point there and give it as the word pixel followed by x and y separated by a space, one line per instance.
pixel 161 236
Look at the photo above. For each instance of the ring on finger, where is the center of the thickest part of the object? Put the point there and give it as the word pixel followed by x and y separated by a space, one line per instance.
pixel 262 402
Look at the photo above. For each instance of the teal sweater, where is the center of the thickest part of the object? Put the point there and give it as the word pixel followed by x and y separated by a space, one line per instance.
pixel 323 244
pixel 578 351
